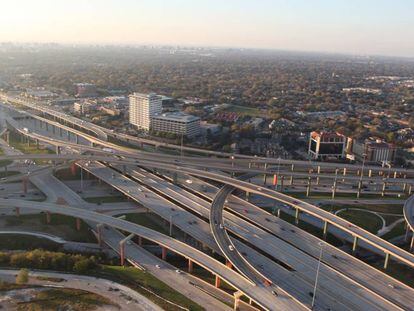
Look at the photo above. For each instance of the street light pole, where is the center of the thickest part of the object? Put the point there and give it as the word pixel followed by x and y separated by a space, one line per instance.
pixel 321 244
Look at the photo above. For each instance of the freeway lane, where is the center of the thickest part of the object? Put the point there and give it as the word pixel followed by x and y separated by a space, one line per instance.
pixel 261 295
pixel 315 211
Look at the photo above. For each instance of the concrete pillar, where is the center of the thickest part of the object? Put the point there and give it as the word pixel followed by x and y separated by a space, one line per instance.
pixel 384 185
pixel 140 241
pixel 77 139
pixel 78 224
pixel 412 242
pixel 17 211
pixel 247 196
pixel 122 252
pixel 308 187
pixel 355 245
pixel 325 230
pixel 57 150
pixel 317 180
pixel 60 131
pixel 275 180
pixel 387 259
pixel 278 213
pixel 404 188
pixel 250 165
pixel 47 126
pixel 358 172
pixel 344 173
pixel 24 183
pixel 334 190
pixel 359 189
pixel 99 234
pixel 217 282
pixel 410 188
pixel 395 174
pixel 297 216
pixel 291 180
pixel 190 266
pixel 264 178
pixel 292 167
pixel 163 253
pixel 370 173
pixel 319 169
pixel 282 178
pixel 8 137
pixel 407 231
pixel 229 264
pixel 53 129
pixel 48 217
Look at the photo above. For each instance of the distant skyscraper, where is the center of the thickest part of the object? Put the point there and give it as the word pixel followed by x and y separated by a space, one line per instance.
pixel 142 107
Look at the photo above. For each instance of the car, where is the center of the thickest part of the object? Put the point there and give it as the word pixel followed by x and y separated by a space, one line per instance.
pixel 128 242
pixel 178 271
pixel 274 293
pixel 231 247
pixel 157 266
pixel 221 226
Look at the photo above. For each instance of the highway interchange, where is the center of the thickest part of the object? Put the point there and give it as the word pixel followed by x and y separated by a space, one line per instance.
pixel 367 287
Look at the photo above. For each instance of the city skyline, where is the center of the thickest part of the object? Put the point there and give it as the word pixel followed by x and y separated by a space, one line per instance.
pixel 350 27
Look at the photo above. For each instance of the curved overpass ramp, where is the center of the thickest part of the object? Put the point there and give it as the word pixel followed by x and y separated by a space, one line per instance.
pixel 388 248
pixel 408 212
pixel 261 295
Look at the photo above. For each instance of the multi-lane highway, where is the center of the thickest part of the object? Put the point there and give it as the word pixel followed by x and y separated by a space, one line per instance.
pixel 261 295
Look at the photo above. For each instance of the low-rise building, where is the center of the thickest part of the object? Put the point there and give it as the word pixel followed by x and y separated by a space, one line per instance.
pixel 176 123
pixel 374 150
pixel 323 145
pixel 83 107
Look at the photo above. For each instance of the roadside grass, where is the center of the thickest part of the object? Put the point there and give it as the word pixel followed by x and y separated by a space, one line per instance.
pixel 8 173
pixel 66 174
pixel 398 271
pixel 17 142
pixel 107 199
pixel 362 219
pixel 398 230
pixel 60 225
pixel 26 242
pixel 136 278
pixel 148 220
pixel 380 208
pixel 64 299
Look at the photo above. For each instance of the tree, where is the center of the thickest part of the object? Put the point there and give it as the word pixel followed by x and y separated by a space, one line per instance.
pixel 22 277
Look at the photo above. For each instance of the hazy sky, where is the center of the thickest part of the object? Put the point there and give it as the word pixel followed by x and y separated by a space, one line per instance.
pixel 352 26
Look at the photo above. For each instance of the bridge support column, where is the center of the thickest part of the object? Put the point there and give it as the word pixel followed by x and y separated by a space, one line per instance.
pixel 282 178
pixel 140 240
pixel 297 216
pixel 48 217
pixel 387 259
pixel 291 180
pixel 278 213
pixel 395 174
pixel 190 266
pixel 319 171
pixel 24 183
pixel 229 264
pixel 53 129
pixel 325 230
pixel 163 253
pixel 344 172
pixel 333 190
pixel 359 189
pixel 384 185
pixel 17 209
pixel 58 150
pixel 47 126
pixel 60 131
pixel 122 252
pixel 308 187
pixel 237 296
pixel 264 178
pixel 404 187
pixel 292 167
pixel 412 242
pixel 78 224
pixel 355 245
pixel 247 196
pixel 410 189
pixel 370 173
pixel 217 282
pixel 99 234
pixel 8 138
pixel 77 139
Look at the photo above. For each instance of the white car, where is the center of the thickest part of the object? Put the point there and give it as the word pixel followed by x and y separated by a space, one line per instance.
pixel 157 266
pixel 178 271
pixel 231 247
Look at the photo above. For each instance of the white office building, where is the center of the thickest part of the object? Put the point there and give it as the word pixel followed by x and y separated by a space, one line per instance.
pixel 142 107
pixel 176 123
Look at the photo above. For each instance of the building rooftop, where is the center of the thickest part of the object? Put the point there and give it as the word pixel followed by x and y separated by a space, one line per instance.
pixel 176 116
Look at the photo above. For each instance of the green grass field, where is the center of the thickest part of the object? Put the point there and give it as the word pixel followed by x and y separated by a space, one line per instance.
pixel 25 242
pixel 64 299
pixel 137 279
pixel 248 111
pixel 61 225
pixel 148 220
pixel 107 199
